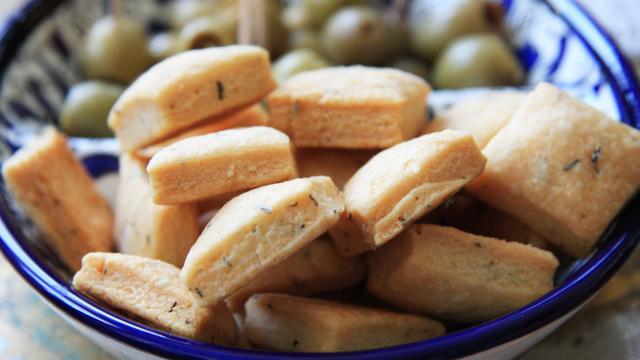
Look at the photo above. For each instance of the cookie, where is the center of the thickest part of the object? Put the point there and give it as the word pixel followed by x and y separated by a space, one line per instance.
pixel 562 168
pixel 150 290
pixel 204 166
pixel 251 116
pixel 481 116
pixel 353 107
pixel 401 184
pixel 256 231
pixel 314 269
pixel 58 195
pixel 163 232
pixel 187 88
pixel 449 274
pixel 289 323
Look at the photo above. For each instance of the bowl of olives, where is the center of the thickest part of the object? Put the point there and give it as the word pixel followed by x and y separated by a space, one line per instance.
pixel 66 62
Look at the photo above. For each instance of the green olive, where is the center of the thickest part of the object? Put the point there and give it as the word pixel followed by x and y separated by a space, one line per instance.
pixel 309 13
pixel 86 108
pixel 304 39
pixel 355 35
pixel 115 49
pixel 435 23
pixel 277 33
pixel 477 60
pixel 297 61
pixel 205 32
pixel 413 66
pixel 163 45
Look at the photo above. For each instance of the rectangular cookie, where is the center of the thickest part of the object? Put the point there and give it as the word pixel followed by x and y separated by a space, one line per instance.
pixel 352 107
pixel 59 196
pixel 252 116
pixel 204 166
pixel 562 168
pixel 314 269
pixel 256 231
pixel 401 184
pixel 449 274
pixel 184 89
pixel 289 323
pixel 481 116
pixel 150 291
pixel 338 164
pixel 163 232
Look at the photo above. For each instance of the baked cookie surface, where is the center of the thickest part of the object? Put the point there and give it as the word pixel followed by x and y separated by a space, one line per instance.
pixel 449 274
pixel 288 323
pixel 349 107
pixel 204 166
pixel 562 168
pixel 187 88
pixel 401 184
pixel 56 192
pixel 256 231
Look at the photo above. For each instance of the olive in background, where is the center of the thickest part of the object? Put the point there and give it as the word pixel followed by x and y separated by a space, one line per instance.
pixel 304 39
pixel 86 108
pixel 163 45
pixel 277 33
pixel 357 35
pixel 297 61
pixel 115 48
pixel 477 60
pixel 205 32
pixel 413 66
pixel 301 14
pixel 435 23
pixel 183 11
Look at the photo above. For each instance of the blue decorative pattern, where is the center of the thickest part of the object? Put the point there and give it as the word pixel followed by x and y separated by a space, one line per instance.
pixel 554 39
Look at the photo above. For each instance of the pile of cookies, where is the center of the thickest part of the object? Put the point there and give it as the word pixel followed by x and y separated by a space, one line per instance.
pixel 338 185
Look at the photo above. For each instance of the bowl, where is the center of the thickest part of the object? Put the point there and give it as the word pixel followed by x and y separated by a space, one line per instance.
pixel 556 41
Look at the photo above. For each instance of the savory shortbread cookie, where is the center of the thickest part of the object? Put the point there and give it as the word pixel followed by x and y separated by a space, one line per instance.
pixel 204 166
pixel 256 231
pixel 481 116
pixel 338 164
pixel 151 291
pixel 251 116
pixel 189 87
pixel 401 184
pixel 562 168
pixel 349 107
pixel 449 274
pixel 56 192
pixel 144 228
pixel 289 323
pixel 314 269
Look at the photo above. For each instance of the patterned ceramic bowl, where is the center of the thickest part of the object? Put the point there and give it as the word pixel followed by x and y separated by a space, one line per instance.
pixel 556 42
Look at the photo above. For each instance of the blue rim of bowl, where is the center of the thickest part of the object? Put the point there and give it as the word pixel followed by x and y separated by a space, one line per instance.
pixel 574 291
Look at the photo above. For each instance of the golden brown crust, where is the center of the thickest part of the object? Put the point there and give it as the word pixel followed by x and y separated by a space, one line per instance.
pixel 257 230
pixel 562 168
pixel 401 184
pixel 349 107
pixel 150 290
pixel 187 88
pixel 57 193
pixel 449 274
pixel 289 323
pixel 204 166
pixel 163 232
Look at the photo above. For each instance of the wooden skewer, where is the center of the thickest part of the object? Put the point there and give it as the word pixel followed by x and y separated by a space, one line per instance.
pixel 252 22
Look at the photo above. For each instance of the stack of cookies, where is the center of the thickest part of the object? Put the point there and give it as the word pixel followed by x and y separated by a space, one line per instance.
pixel 337 218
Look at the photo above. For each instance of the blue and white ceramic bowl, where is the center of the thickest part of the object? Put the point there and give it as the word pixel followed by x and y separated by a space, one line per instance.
pixel 556 41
